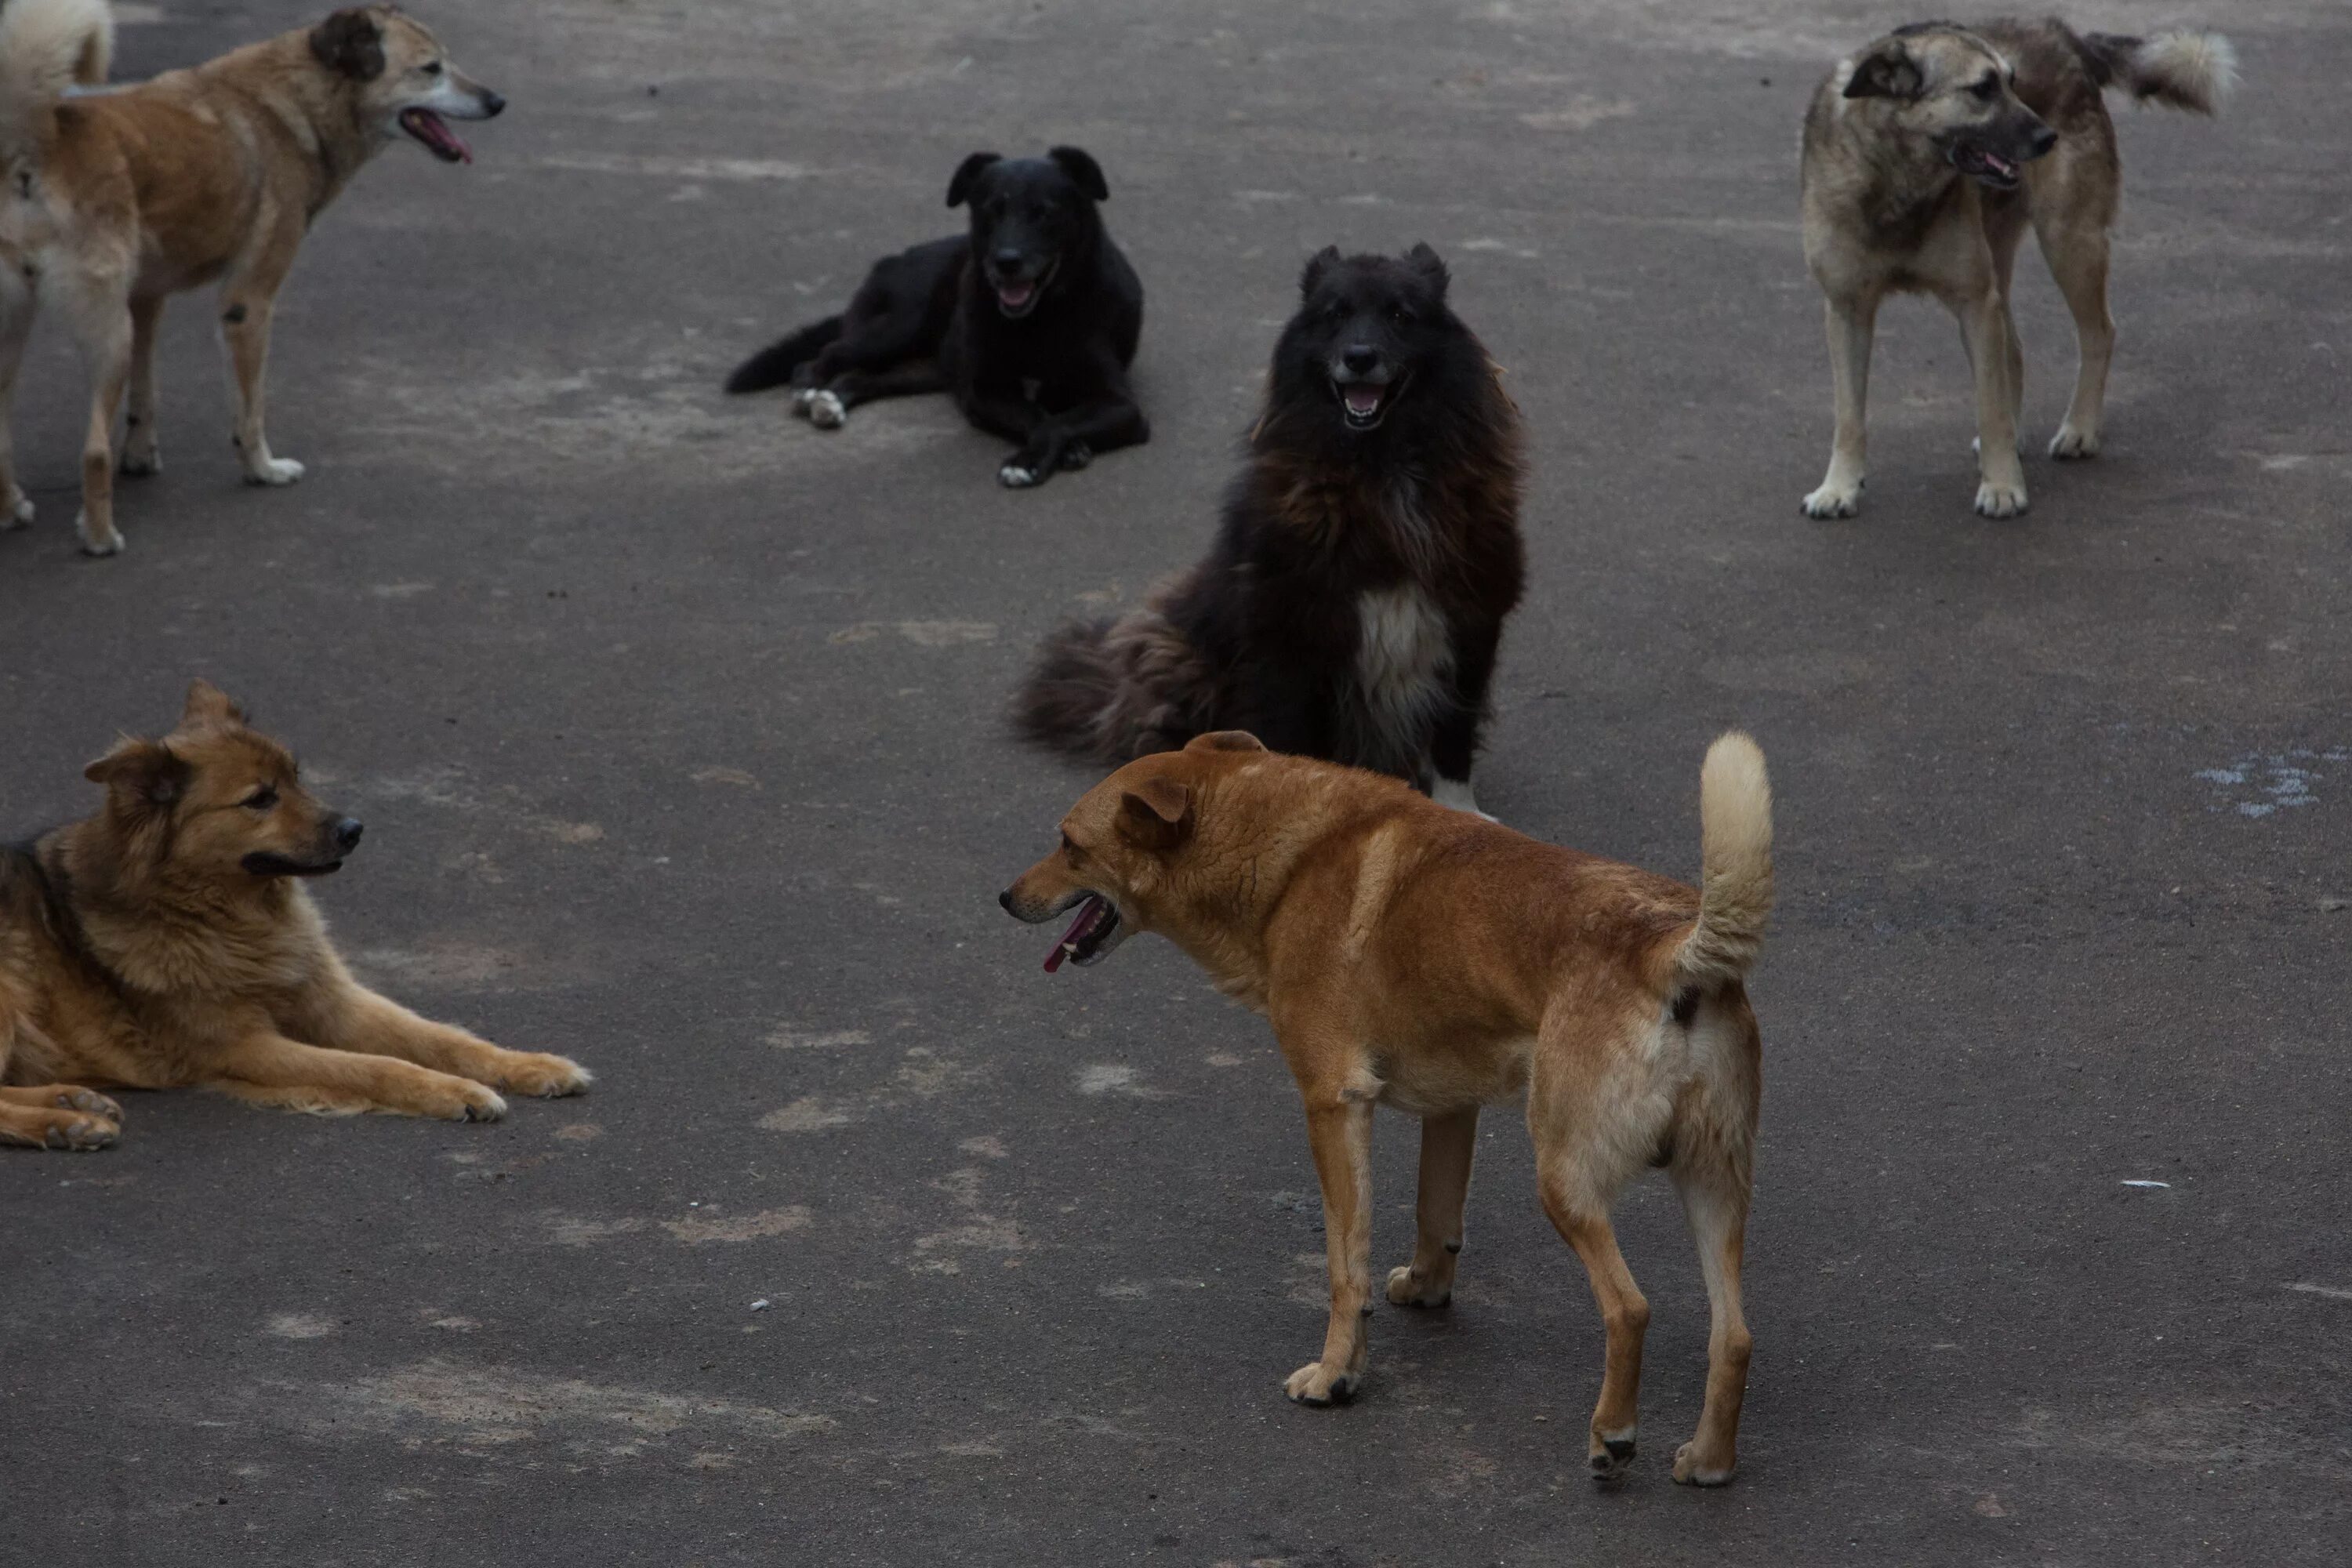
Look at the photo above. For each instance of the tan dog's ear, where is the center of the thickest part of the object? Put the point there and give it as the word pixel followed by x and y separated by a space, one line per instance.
pixel 1888 71
pixel 1225 740
pixel 208 704
pixel 1156 813
pixel 349 43
pixel 145 771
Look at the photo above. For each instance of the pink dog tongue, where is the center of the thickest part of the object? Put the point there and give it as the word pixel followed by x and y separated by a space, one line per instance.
pixel 1363 399
pixel 433 132
pixel 1013 296
pixel 1087 914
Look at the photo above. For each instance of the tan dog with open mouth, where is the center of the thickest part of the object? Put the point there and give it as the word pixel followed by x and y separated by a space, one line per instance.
pixel 114 201
pixel 168 942
pixel 1419 957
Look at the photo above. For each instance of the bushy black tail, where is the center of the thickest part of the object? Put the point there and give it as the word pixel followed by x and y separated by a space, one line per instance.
pixel 1111 692
pixel 773 365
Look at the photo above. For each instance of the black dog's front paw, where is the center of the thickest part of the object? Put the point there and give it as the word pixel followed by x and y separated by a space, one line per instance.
pixel 1026 470
pixel 1077 455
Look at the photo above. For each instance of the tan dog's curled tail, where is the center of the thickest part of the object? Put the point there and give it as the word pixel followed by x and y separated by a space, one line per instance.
pixel 1734 813
pixel 45 47
pixel 2183 69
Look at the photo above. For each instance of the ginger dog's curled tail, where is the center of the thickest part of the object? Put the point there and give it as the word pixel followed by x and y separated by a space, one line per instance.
pixel 1734 813
pixel 45 47
pixel 2194 71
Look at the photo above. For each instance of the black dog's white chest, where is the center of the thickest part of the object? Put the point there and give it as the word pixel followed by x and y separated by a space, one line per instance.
pixel 1404 656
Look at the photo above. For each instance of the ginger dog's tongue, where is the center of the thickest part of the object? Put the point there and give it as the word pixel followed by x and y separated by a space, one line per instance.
pixel 1089 913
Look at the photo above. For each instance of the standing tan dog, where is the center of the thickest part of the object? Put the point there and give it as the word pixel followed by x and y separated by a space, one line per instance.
pixel 167 941
pixel 115 201
pixel 1926 156
pixel 1424 958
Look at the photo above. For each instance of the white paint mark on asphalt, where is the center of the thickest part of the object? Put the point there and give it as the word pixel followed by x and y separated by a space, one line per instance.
pixel 299 1326
pixel 2333 1292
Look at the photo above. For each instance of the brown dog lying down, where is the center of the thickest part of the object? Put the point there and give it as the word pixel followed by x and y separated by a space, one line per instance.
pixel 1424 958
pixel 168 941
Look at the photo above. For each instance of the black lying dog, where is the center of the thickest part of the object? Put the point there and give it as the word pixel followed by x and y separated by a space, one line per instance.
pixel 1352 603
pixel 1031 321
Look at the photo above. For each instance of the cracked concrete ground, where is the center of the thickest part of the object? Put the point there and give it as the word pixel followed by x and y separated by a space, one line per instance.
pixel 675 725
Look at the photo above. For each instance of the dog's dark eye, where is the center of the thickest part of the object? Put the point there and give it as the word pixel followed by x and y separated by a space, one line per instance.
pixel 1400 315
pixel 434 69
pixel 1987 89
pixel 1070 846
pixel 261 799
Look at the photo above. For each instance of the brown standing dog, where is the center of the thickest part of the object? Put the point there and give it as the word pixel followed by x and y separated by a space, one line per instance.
pixel 167 941
pixel 1926 157
pixel 1416 956
pixel 115 201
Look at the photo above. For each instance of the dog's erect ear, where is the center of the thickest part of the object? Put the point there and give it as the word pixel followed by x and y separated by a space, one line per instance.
pixel 1225 740
pixel 146 772
pixel 1082 168
pixel 1430 265
pixel 1156 814
pixel 349 43
pixel 966 172
pixel 1320 263
pixel 1887 72
pixel 208 704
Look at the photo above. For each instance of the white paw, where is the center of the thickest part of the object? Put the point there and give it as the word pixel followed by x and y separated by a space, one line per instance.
pixel 802 397
pixel 2000 499
pixel 1455 794
pixel 1013 477
pixel 1976 445
pixel 110 545
pixel 138 462
pixel 1835 499
pixel 2071 443
pixel 826 411
pixel 18 512
pixel 274 471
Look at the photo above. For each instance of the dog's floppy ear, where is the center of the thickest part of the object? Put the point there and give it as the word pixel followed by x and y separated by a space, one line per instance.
pixel 1156 814
pixel 1082 168
pixel 966 172
pixel 1320 263
pixel 1225 740
pixel 146 772
pixel 1887 72
pixel 208 704
pixel 349 43
pixel 1430 265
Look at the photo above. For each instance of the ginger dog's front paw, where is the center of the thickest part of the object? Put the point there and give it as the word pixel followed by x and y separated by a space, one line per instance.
pixel 1835 498
pixel 1610 1453
pixel 1317 1385
pixel 1407 1288
pixel 465 1102
pixel 2000 499
pixel 74 1098
pixel 1693 1468
pixel 542 1076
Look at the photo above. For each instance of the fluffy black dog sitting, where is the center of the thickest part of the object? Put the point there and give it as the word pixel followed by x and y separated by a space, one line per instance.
pixel 1031 320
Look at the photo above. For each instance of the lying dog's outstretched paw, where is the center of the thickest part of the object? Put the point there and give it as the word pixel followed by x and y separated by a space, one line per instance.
pixel 1017 475
pixel 1612 1452
pixel 826 410
pixel 1692 1470
pixel 472 1102
pixel 1319 1385
pixel 545 1077
pixel 274 471
pixel 1834 500
pixel 2000 499
pixel 1077 455
pixel 80 1133
pixel 71 1096
pixel 1405 1289
pixel 17 512
pixel 2071 443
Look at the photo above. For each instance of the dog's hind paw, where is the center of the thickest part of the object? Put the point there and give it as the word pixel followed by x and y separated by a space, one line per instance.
pixel 1406 1289
pixel 274 471
pixel 2071 443
pixel 141 461
pixel 1611 1453
pixel 1692 1470
pixel 1321 1385
pixel 1834 500
pixel 2000 499
pixel 92 543
pixel 1077 455
pixel 17 512
pixel 826 410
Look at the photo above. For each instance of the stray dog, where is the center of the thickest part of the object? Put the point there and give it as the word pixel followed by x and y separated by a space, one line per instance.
pixel 168 941
pixel 1352 604
pixel 1418 957
pixel 115 201
pixel 1031 320
pixel 1926 156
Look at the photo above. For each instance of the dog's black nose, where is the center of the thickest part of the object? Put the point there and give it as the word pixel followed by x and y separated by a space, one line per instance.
pixel 1361 359
pixel 2044 139
pixel 493 104
pixel 347 833
pixel 1005 900
pixel 1008 262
